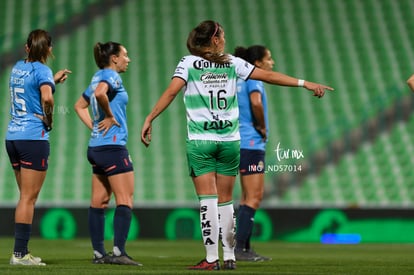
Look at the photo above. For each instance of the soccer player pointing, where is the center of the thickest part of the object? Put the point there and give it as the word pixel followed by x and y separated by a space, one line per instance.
pixel 31 85
pixel 208 79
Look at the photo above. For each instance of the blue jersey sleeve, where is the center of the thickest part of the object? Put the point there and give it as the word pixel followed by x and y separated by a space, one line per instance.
pixel 88 93
pixel 44 76
pixel 254 86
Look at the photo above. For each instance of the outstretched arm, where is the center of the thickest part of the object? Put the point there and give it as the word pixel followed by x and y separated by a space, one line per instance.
pixel 163 102
pixel 61 76
pixel 280 79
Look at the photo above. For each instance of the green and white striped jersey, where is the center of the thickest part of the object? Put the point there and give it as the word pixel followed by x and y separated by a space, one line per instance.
pixel 210 96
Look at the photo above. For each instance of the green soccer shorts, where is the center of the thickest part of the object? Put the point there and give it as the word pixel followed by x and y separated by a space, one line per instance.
pixel 205 156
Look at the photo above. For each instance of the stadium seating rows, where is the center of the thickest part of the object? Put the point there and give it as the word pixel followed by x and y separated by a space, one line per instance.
pixel 362 48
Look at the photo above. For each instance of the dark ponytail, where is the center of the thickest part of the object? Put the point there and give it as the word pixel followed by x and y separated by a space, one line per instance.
pixel 38 44
pixel 103 52
pixel 199 40
pixel 251 54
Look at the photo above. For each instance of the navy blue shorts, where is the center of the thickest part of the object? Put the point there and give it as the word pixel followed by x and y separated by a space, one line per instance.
pixel 30 154
pixel 109 160
pixel 252 162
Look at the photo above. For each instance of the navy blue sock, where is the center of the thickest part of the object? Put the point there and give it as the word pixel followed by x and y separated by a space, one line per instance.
pixel 245 220
pixel 96 219
pixel 22 233
pixel 122 221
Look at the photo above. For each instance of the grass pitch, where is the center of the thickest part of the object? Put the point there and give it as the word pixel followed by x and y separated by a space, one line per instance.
pixel 172 257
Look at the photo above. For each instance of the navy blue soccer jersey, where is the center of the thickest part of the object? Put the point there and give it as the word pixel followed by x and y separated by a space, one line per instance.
pixel 24 84
pixel 118 100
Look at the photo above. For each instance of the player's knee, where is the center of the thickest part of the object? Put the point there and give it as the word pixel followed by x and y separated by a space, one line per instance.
pixel 254 201
pixel 100 203
pixel 124 200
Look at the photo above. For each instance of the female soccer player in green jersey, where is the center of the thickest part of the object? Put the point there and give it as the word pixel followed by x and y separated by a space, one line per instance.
pixel 208 79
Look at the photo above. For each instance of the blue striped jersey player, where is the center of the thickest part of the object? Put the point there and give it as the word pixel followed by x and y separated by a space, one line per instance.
pixel 26 106
pixel 118 100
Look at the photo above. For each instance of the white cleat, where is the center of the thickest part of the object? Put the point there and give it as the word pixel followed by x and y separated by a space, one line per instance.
pixel 28 259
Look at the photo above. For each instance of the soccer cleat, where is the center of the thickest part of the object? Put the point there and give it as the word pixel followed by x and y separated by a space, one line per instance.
pixel 28 259
pixel 249 255
pixel 37 259
pixel 106 259
pixel 123 260
pixel 204 265
pixel 229 264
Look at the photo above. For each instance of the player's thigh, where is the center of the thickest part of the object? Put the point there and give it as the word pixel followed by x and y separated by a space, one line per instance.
pixel 122 186
pixel 252 185
pixel 225 185
pixel 101 191
pixel 228 158
pixel 31 182
pixel 201 157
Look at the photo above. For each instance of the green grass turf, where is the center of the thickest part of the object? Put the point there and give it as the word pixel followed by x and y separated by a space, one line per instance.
pixel 172 257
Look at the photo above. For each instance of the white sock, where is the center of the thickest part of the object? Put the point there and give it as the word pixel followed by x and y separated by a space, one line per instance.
pixel 97 254
pixel 116 251
pixel 209 226
pixel 227 221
